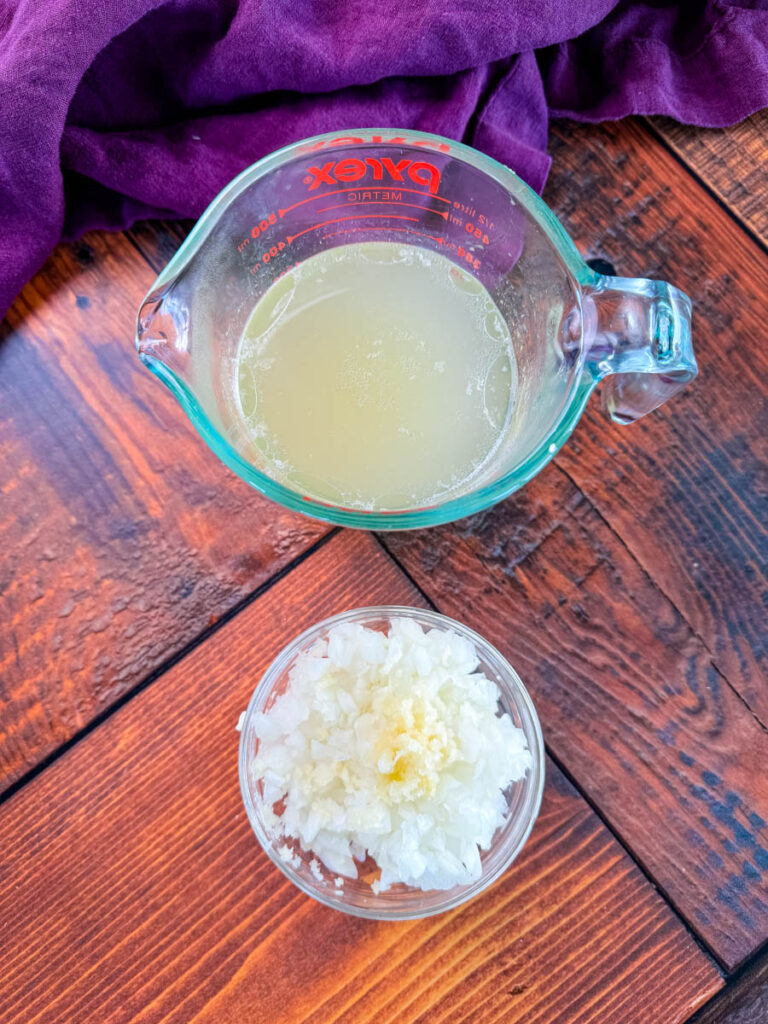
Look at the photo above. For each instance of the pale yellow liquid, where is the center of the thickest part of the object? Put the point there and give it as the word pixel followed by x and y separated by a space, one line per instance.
pixel 376 376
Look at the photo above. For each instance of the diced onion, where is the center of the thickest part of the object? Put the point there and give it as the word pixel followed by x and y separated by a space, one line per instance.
pixel 390 746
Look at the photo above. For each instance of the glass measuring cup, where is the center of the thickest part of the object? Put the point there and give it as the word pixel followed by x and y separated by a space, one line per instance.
pixel 571 328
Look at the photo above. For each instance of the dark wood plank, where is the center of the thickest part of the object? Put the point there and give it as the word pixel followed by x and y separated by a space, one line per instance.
pixel 132 889
pixel 732 161
pixel 743 1001
pixel 687 487
pixel 158 240
pixel 629 698
pixel 122 536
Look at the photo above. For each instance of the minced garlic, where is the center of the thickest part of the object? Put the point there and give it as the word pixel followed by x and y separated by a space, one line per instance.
pixel 389 746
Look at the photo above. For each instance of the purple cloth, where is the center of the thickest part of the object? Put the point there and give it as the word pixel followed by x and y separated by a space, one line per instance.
pixel 124 109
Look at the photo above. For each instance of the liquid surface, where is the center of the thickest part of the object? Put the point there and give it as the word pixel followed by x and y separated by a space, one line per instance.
pixel 376 376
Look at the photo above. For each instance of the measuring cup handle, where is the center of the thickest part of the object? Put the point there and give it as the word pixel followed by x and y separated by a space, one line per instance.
pixel 638 343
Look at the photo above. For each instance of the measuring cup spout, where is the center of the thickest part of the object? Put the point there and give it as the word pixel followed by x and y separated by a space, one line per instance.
pixel 162 332
pixel 638 342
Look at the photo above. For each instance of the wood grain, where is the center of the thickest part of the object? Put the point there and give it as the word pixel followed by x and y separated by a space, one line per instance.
pixel 743 1001
pixel 732 161
pixel 122 536
pixel 629 698
pixel 158 240
pixel 687 486
pixel 132 889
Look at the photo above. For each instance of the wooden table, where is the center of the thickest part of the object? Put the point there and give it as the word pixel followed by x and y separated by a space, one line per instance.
pixel 144 589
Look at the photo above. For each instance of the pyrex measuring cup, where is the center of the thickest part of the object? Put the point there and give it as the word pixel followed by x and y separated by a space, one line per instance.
pixel 571 328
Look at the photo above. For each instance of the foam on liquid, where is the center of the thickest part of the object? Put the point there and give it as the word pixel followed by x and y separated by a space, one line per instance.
pixel 376 376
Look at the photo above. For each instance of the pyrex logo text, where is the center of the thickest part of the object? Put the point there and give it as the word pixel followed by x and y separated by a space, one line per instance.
pixel 352 169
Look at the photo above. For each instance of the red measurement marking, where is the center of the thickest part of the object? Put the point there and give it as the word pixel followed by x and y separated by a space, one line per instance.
pixel 478 233
pixel 356 188
pixel 465 209
pixel 338 220
pixel 421 234
pixel 384 202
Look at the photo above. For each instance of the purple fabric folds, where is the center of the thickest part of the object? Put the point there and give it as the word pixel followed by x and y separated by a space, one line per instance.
pixel 133 108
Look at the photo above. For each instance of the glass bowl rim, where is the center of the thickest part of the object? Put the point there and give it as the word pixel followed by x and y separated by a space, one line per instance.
pixel 514 691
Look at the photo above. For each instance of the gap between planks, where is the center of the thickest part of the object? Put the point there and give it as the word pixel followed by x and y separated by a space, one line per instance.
pixel 657 586
pixel 161 669
pixel 744 998
pixel 732 211
pixel 574 781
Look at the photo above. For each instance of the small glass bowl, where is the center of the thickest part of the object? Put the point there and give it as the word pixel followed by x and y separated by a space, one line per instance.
pixel 401 902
